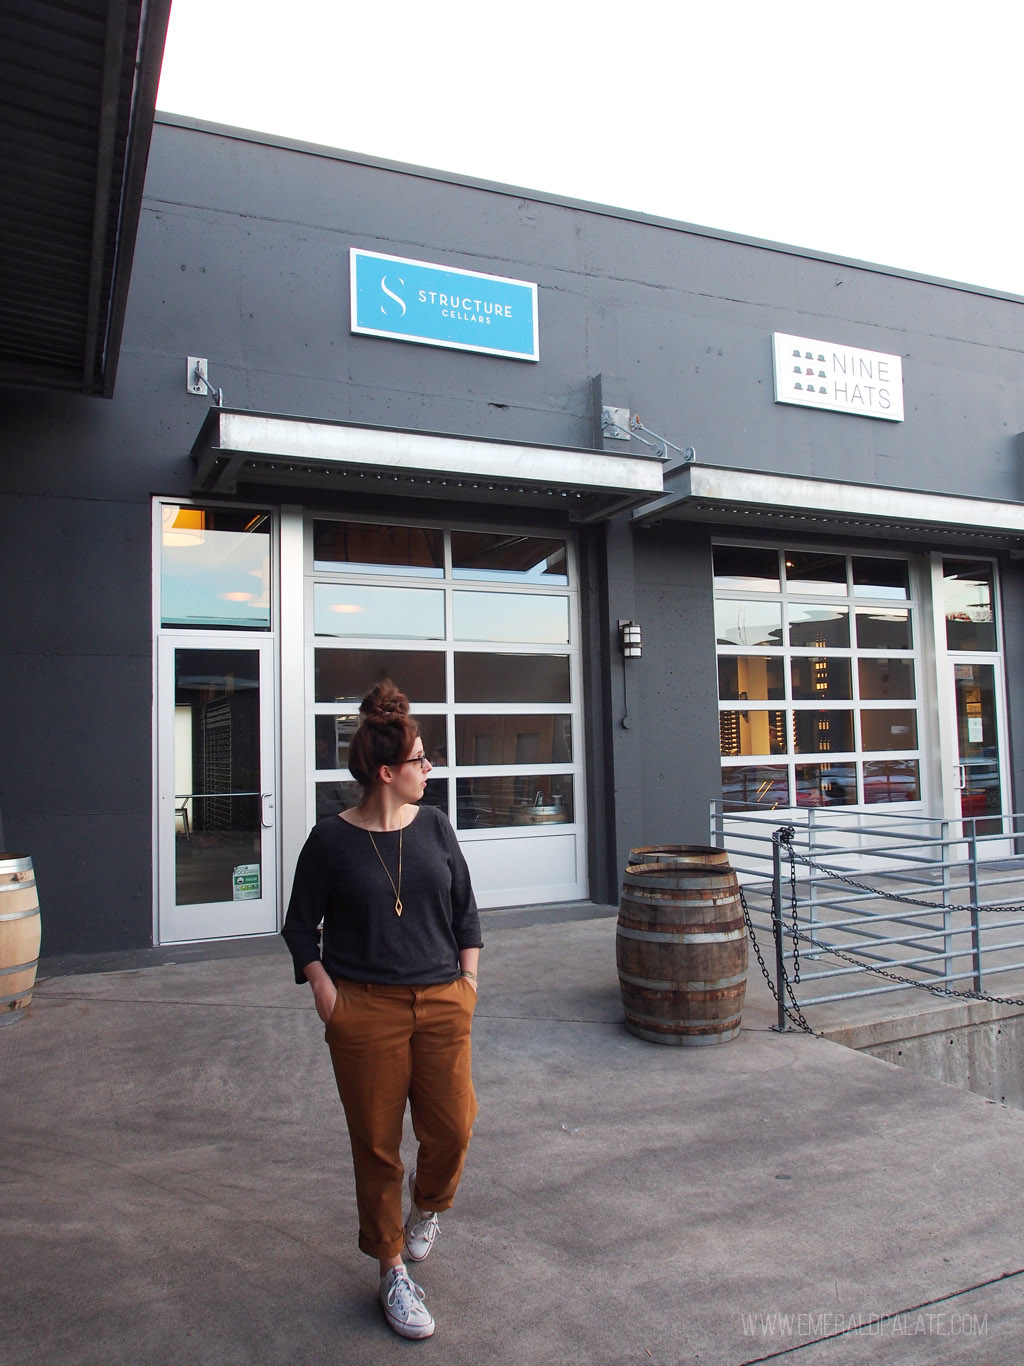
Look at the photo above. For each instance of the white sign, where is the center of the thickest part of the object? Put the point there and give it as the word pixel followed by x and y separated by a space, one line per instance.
pixel 245 882
pixel 845 379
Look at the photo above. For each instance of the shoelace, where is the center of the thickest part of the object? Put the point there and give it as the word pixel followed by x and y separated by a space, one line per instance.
pixel 405 1295
pixel 424 1228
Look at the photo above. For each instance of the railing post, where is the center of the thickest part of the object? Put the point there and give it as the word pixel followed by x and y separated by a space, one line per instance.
pixel 972 855
pixel 780 968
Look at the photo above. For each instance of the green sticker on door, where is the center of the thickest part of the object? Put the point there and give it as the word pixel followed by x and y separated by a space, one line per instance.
pixel 245 882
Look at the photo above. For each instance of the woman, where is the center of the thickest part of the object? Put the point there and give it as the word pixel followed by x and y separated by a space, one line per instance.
pixel 394 981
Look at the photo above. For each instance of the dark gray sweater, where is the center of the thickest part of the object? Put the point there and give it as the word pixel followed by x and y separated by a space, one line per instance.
pixel 339 880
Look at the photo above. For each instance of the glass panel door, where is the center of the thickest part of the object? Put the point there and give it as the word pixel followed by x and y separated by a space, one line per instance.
pixel 217 842
pixel 977 733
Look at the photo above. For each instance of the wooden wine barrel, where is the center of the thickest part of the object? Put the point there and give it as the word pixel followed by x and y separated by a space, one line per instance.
pixel 679 853
pixel 19 935
pixel 681 950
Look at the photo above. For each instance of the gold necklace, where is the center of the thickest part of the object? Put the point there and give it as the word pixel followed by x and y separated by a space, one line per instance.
pixel 397 890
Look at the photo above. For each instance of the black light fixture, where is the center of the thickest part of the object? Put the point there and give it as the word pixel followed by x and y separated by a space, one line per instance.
pixel 631 639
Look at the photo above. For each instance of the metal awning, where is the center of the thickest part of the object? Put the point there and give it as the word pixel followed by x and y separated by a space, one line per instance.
pixel 236 447
pixel 749 498
pixel 79 86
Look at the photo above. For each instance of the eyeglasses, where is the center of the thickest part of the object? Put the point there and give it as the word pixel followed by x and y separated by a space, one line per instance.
pixel 420 759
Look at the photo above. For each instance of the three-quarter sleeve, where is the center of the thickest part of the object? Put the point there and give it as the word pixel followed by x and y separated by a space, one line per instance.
pixel 307 905
pixel 465 916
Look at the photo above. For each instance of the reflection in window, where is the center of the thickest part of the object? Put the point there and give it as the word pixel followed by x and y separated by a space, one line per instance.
pixel 889 728
pixel 751 678
pixel 529 801
pixel 815 573
pixel 333 734
pixel 755 787
pixel 214 567
pixel 826 784
pixel 746 567
pixel 752 732
pixel 532 617
pixel 513 740
pixel 818 628
pixel 511 678
pixel 822 732
pixel 892 780
pixel 823 679
pixel 348 675
pixel 356 610
pixel 365 547
pixel 880 578
pixel 501 556
pixel 882 679
pixel 969 595
pixel 880 628
pixel 739 622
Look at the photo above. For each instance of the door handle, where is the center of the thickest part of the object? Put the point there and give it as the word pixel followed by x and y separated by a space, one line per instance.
pixel 267 810
pixel 961 777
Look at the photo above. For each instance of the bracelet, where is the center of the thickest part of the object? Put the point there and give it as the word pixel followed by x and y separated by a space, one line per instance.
pixel 471 975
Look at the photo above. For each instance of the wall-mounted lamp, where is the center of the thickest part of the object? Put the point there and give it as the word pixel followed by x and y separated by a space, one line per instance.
pixel 631 639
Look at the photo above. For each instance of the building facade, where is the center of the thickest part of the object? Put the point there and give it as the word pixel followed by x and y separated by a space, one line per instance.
pixel 374 421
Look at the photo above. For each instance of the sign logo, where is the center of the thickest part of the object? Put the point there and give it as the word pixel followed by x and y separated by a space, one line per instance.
pixel 439 306
pixel 845 379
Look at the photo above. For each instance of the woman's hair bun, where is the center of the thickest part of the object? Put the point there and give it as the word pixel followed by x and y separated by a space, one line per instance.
pixel 384 704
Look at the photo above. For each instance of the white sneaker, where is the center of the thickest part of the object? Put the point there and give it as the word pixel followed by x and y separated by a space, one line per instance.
pixel 420 1233
pixel 403 1306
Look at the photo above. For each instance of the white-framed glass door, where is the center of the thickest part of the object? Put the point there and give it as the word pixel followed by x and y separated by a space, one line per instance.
pixel 216 794
pixel 974 701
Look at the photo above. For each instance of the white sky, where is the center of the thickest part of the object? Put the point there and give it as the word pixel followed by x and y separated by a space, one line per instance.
pixel 886 130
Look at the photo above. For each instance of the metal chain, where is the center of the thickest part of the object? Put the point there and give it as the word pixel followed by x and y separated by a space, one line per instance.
pixel 908 981
pixel 795 1014
pixel 785 835
pixel 1008 908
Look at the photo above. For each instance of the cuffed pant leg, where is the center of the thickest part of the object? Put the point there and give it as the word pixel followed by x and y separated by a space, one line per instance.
pixel 442 1098
pixel 369 1035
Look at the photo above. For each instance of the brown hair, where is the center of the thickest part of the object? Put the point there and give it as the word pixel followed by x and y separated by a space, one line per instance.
pixel 385 735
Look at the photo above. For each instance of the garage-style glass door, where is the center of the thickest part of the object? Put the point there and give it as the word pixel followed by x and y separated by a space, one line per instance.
pixel 480 630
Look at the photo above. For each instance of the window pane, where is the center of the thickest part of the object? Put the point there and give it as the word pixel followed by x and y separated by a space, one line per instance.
pixel 822 679
pixel 511 678
pixel 753 788
pixel 748 623
pixel 739 566
pixel 889 728
pixel 970 618
pixel 892 780
pixel 333 734
pixel 823 732
pixel 513 739
pixel 332 797
pixel 354 610
pixel 217 775
pixel 484 555
pixel 214 567
pixel 348 675
pixel 753 678
pixel 880 629
pixel 826 784
pixel 876 578
pixel 881 679
pixel 810 572
pixel 818 628
pixel 752 732
pixel 406 550
pixel 529 801
pixel 511 616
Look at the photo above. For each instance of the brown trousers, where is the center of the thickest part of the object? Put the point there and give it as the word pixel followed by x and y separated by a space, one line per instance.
pixel 391 1045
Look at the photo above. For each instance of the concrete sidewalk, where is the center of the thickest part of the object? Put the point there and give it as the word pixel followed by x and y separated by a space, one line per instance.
pixel 177 1184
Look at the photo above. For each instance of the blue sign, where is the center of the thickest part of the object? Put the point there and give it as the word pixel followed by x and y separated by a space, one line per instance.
pixel 438 306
